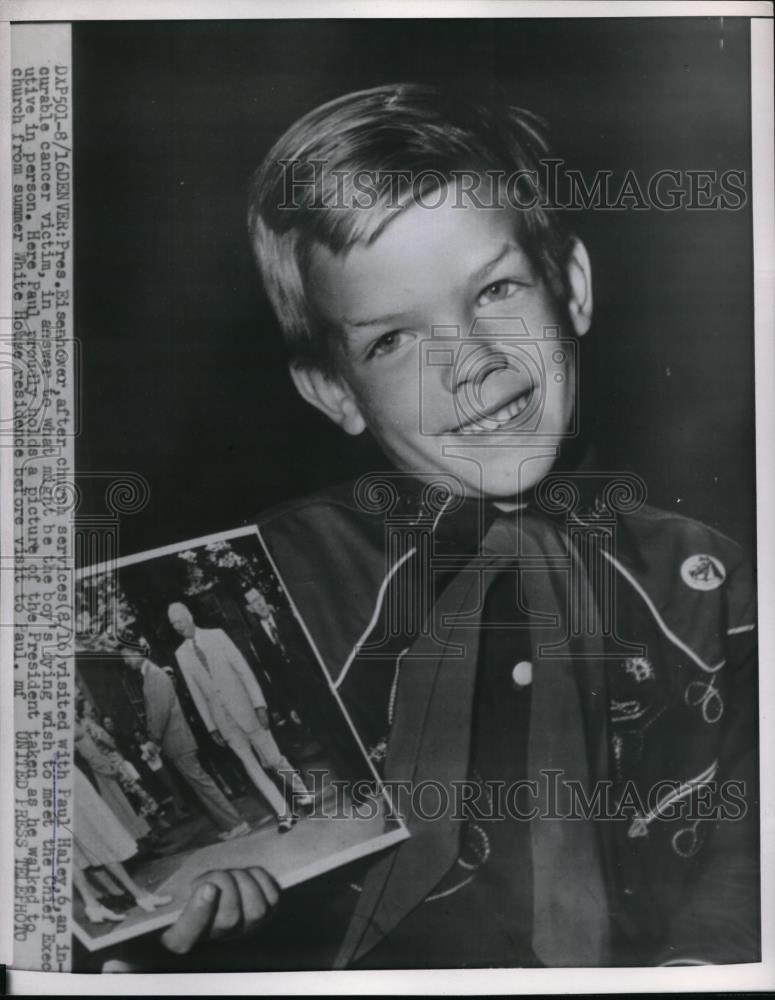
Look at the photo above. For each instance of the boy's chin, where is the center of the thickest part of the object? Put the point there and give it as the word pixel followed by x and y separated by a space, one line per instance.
pixel 503 482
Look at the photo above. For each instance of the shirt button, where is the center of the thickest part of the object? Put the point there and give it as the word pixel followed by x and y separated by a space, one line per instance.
pixel 522 674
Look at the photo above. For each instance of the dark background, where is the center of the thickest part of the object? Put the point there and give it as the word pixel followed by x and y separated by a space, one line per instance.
pixel 184 376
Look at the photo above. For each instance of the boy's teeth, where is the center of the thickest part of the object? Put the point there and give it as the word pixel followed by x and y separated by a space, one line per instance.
pixel 501 416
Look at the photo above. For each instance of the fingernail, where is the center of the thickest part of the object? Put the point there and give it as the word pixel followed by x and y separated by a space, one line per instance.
pixel 208 893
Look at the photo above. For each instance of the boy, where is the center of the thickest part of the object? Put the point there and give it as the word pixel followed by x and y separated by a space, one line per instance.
pixel 496 616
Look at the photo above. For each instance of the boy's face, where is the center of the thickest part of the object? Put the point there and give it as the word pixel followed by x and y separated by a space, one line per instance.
pixel 474 403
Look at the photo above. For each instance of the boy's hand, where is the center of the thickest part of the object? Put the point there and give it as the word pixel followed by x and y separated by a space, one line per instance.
pixel 223 904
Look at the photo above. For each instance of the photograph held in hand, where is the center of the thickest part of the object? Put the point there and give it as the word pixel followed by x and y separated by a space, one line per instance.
pixel 194 753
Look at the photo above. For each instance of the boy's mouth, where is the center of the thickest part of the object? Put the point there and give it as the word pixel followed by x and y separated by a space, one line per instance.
pixel 500 418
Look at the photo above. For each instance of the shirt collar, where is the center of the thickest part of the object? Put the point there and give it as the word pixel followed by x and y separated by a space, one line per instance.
pixel 460 523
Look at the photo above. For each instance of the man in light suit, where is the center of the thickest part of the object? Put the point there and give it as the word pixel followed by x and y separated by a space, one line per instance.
pixel 232 706
pixel 167 727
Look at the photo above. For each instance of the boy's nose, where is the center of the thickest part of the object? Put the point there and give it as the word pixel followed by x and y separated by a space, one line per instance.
pixel 487 346
pixel 484 370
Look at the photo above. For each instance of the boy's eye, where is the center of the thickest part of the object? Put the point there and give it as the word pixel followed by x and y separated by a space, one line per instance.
pixel 387 343
pixel 497 291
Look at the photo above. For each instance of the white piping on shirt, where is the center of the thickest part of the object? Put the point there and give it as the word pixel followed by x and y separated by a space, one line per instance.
pixel 381 597
pixel 741 628
pixel 659 620
pixel 437 518
pixel 448 892
pixel 638 827
pixel 375 616
pixel 394 685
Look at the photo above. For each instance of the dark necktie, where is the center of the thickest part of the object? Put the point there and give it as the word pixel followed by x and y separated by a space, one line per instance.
pixel 272 631
pixel 570 909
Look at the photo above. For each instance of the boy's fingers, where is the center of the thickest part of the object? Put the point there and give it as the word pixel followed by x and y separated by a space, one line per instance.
pixel 228 915
pixel 268 884
pixel 194 921
pixel 254 903
pixel 223 903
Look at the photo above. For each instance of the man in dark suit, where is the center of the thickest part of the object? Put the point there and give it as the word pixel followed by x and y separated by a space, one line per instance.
pixel 301 690
pixel 273 657
pixel 167 727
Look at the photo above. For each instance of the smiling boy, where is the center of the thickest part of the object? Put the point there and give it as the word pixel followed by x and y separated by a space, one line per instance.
pixel 491 609
pixel 459 268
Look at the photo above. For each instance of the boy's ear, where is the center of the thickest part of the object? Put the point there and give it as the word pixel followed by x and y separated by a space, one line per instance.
pixel 579 284
pixel 330 395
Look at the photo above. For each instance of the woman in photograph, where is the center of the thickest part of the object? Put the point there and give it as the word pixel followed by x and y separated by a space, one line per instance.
pixel 106 774
pixel 101 842
pixel 124 772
